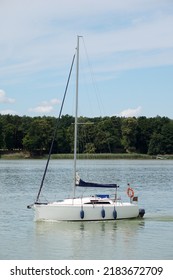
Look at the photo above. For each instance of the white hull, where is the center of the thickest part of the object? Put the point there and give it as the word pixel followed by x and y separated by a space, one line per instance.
pixel 76 210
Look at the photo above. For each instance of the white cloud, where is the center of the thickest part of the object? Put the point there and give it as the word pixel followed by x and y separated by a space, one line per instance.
pixel 8 112
pixel 52 102
pixel 4 98
pixel 37 34
pixel 45 106
pixel 131 112
pixel 39 37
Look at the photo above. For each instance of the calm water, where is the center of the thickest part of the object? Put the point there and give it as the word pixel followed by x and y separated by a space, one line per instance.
pixel 148 238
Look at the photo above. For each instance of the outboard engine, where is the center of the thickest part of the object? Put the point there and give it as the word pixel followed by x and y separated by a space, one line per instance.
pixel 141 213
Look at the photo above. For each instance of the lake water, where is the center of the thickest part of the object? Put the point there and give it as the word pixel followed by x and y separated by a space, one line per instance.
pixel 147 238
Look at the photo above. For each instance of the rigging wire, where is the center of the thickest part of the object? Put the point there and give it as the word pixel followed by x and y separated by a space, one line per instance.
pixel 95 85
pixel 55 130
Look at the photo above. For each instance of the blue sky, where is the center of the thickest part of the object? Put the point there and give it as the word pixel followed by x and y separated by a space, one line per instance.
pixel 129 44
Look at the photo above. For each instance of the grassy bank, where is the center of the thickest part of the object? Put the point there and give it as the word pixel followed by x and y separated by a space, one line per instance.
pixel 22 155
pixel 102 156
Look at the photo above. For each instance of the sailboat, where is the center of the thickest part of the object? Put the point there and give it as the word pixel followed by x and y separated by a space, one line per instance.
pixel 90 208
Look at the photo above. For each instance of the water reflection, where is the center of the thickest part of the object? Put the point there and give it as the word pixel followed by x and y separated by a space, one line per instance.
pixel 86 240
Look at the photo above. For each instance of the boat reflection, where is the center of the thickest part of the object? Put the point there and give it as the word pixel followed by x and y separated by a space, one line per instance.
pixel 86 240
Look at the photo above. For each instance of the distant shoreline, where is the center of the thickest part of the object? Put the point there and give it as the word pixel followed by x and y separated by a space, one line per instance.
pixel 22 155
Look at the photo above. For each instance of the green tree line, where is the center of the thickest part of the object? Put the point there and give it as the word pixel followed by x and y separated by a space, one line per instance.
pixel 97 135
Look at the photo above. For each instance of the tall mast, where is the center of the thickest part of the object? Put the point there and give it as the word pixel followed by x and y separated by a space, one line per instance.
pixel 76 115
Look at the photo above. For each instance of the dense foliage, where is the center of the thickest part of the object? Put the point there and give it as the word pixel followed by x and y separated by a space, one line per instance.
pixel 97 135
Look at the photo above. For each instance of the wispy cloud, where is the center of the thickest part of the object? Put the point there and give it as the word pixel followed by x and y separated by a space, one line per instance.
pixel 4 98
pixel 8 112
pixel 45 106
pixel 39 38
pixel 131 112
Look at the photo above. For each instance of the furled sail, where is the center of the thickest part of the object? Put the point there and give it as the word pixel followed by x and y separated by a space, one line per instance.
pixel 81 183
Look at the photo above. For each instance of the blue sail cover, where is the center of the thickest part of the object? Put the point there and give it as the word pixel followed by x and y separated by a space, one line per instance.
pixel 81 183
